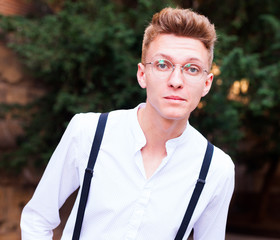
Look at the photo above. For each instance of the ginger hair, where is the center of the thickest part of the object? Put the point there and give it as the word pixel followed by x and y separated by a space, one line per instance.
pixel 180 22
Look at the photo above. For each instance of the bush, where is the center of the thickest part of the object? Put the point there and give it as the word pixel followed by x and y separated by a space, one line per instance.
pixel 86 57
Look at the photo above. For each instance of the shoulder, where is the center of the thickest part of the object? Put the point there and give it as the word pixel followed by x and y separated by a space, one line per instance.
pixel 221 163
pixel 86 123
pixel 222 171
pixel 87 119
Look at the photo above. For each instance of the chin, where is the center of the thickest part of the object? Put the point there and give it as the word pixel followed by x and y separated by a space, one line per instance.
pixel 175 116
pixel 172 112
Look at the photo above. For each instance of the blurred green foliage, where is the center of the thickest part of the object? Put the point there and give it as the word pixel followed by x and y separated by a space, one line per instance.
pixel 249 48
pixel 86 56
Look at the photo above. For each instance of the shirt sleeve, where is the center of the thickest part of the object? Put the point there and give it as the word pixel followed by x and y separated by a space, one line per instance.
pixel 212 223
pixel 61 178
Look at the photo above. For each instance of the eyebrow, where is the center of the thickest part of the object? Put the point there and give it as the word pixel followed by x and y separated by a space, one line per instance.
pixel 171 59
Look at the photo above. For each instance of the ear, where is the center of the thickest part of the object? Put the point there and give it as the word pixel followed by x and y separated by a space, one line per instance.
pixel 141 76
pixel 207 84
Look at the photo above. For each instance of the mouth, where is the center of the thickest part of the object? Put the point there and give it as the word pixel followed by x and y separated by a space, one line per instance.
pixel 175 98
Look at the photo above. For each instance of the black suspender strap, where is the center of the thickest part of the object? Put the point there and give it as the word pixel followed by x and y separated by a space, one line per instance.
pixel 88 174
pixel 196 193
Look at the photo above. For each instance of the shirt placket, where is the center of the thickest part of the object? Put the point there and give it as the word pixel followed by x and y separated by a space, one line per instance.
pixel 138 213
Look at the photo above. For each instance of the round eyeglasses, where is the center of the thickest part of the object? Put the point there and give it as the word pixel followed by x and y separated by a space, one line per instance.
pixel 163 68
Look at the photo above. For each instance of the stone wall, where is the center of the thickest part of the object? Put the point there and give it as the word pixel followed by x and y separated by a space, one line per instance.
pixel 15 192
pixel 16 87
pixel 15 7
pixel 13 196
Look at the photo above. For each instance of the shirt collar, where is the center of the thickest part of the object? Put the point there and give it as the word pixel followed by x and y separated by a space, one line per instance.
pixel 183 138
pixel 139 136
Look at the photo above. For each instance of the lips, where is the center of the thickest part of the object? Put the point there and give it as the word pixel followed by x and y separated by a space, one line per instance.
pixel 175 98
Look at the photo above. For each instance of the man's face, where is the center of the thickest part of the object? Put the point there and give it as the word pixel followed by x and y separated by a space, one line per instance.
pixel 174 97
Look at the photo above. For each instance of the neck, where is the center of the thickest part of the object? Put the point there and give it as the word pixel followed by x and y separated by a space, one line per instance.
pixel 159 130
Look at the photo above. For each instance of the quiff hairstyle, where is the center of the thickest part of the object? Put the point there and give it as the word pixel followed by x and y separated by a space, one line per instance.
pixel 183 23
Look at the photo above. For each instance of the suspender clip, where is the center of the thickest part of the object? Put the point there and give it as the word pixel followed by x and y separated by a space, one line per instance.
pixel 200 181
pixel 89 170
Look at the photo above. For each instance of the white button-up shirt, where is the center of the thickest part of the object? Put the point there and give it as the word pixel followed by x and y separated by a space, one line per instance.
pixel 123 204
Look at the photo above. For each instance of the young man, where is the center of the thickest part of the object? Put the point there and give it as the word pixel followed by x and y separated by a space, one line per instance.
pixel 150 156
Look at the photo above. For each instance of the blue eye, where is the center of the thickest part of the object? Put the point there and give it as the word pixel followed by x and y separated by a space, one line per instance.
pixel 163 65
pixel 192 69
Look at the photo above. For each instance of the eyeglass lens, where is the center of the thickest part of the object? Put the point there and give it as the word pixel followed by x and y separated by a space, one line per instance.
pixel 163 68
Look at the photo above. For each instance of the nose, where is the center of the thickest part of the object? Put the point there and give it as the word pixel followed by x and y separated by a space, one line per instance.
pixel 176 79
